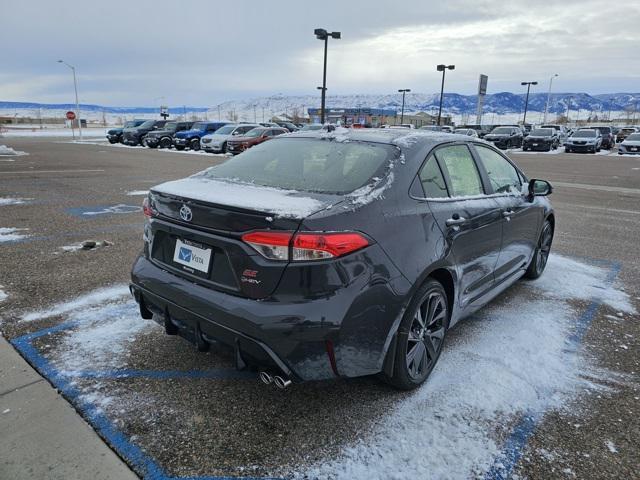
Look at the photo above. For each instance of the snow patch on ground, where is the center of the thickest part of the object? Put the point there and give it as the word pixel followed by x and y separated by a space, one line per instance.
pixel 285 203
pixel 512 360
pixel 9 234
pixel 3 294
pixel 611 446
pixel 83 301
pixel 138 192
pixel 106 330
pixel 55 132
pixel 4 150
pixel 4 201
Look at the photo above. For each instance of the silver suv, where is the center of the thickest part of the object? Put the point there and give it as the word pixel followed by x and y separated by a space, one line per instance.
pixel 217 142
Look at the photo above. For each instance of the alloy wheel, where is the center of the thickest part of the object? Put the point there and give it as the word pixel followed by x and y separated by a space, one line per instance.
pixel 426 335
pixel 544 247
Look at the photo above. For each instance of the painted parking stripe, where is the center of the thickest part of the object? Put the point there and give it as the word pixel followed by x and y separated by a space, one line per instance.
pixel 502 469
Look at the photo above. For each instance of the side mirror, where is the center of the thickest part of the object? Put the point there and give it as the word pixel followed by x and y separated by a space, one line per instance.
pixel 539 188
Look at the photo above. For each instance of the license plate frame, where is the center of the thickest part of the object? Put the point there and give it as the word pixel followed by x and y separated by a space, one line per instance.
pixel 193 257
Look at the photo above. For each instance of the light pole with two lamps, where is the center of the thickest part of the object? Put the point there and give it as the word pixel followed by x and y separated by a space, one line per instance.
pixel 322 34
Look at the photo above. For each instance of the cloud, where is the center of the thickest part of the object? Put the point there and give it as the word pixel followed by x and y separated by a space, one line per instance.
pixel 199 52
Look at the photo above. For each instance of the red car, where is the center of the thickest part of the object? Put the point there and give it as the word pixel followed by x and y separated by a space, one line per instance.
pixel 253 137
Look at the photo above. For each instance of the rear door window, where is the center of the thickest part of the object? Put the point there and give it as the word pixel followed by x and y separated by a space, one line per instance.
pixel 432 179
pixel 461 170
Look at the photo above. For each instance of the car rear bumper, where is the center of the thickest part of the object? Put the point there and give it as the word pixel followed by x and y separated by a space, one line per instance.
pixel 347 334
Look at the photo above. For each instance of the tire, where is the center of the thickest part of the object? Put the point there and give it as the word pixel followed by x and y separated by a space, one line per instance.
pixel 567 150
pixel 223 148
pixel 195 144
pixel 165 142
pixel 113 141
pixel 142 142
pixel 180 147
pixel 541 254
pixel 524 149
pixel 420 335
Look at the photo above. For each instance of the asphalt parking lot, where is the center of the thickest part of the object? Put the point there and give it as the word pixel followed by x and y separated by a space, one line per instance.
pixel 170 411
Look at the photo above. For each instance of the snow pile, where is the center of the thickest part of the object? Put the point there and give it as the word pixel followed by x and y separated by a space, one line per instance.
pixel 3 294
pixel 512 360
pixel 4 201
pixel 55 132
pixel 281 202
pixel 4 150
pixel 138 192
pixel 90 299
pixel 8 234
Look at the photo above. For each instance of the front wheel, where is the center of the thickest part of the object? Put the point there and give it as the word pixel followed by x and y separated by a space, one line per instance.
pixel 180 147
pixel 113 141
pixel 195 144
pixel 541 253
pixel 165 142
pixel 420 336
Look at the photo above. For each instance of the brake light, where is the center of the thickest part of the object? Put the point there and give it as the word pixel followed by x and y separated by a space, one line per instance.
pixel 146 208
pixel 305 246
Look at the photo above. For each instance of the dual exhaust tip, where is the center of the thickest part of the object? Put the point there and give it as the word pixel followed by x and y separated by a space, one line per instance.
pixel 279 382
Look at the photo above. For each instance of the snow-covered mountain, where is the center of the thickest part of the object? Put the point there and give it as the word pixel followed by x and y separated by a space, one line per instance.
pixel 263 108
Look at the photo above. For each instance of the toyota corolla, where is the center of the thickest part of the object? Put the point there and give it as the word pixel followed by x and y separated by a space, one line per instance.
pixel 320 255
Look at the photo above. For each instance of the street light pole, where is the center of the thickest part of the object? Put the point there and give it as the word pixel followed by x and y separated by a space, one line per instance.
pixel 546 107
pixel 403 91
pixel 322 34
pixel 568 106
pixel 442 68
pixel 75 86
pixel 526 102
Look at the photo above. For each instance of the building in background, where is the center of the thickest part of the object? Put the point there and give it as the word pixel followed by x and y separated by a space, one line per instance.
pixel 370 117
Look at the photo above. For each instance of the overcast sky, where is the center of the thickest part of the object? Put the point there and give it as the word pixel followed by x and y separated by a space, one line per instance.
pixel 130 53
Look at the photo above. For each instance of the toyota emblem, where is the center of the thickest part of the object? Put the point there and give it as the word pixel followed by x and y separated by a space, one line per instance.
pixel 186 214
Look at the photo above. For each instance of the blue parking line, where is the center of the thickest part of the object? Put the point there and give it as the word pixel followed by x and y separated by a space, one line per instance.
pixel 515 444
pixel 502 468
pixel 134 455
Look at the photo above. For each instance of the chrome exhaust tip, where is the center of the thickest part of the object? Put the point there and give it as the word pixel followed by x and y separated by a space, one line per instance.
pixel 281 382
pixel 266 378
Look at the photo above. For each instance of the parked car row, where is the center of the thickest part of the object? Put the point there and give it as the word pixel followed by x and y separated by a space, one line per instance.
pixel 213 137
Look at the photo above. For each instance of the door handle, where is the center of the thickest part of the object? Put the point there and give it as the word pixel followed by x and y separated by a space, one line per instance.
pixel 507 213
pixel 453 222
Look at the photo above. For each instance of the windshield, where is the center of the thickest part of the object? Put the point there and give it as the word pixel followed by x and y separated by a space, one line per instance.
pixel 130 124
pixel 585 133
pixel 148 124
pixel 256 132
pixel 198 126
pixel 170 126
pixel 628 130
pixel 226 130
pixel 312 127
pixel 542 132
pixel 308 164
pixel 635 137
pixel 502 131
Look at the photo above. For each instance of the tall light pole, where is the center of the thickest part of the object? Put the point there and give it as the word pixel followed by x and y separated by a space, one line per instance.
pixel 610 105
pixel 322 34
pixel 442 68
pixel 568 107
pixel 403 91
pixel 75 86
pixel 546 106
pixel 526 102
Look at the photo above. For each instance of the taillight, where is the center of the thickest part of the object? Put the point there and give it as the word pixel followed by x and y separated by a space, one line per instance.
pixel 146 208
pixel 304 246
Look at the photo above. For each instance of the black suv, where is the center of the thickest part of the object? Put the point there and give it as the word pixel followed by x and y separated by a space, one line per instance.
pixel 608 138
pixel 506 137
pixel 135 136
pixel 114 135
pixel 163 138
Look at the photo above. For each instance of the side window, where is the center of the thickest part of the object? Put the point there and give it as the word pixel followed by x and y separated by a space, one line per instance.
pixel 242 130
pixel 432 180
pixel 502 175
pixel 212 128
pixel 463 174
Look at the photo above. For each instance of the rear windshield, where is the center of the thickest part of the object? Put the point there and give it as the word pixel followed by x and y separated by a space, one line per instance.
pixel 308 164
pixel 502 130
pixel 147 124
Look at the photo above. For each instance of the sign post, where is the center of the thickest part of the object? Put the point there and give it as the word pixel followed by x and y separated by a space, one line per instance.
pixel 482 91
pixel 164 111
pixel 72 116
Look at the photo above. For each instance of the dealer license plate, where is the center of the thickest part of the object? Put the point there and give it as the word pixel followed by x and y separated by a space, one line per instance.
pixel 191 256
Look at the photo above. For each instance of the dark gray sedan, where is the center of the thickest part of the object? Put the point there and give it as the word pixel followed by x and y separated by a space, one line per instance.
pixel 319 255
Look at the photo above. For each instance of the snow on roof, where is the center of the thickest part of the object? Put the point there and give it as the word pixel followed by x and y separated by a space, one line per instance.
pixel 284 203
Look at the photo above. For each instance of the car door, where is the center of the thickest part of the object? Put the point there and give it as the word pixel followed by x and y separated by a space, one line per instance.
pixel 520 217
pixel 469 219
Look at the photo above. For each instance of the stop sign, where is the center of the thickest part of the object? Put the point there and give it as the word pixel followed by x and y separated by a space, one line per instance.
pixel 71 116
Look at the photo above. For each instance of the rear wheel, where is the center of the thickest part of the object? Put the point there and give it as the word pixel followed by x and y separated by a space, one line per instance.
pixel 180 147
pixel 113 140
pixel 195 144
pixel 541 254
pixel 420 336
pixel 142 142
